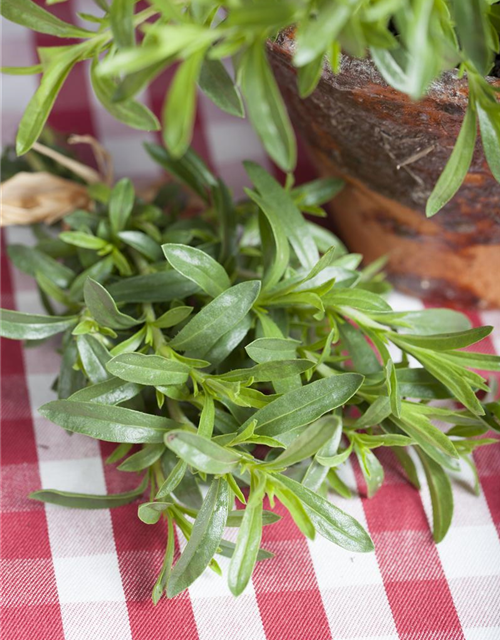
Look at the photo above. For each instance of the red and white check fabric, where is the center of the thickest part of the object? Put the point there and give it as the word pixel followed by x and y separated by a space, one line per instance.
pixel 87 575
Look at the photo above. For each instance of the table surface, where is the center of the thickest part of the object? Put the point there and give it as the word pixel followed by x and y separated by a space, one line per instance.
pixel 87 575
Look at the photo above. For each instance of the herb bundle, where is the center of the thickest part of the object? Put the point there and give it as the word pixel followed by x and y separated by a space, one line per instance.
pixel 411 42
pixel 201 338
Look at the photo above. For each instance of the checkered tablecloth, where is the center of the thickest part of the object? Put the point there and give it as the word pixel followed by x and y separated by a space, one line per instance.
pixel 87 575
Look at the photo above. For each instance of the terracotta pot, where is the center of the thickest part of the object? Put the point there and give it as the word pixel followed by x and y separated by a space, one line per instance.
pixel 391 151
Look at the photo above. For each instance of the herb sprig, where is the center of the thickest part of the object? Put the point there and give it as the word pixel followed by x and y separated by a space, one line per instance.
pixel 199 338
pixel 411 44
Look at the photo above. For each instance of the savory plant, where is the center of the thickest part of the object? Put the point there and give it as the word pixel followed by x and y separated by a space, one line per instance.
pixel 411 42
pixel 244 351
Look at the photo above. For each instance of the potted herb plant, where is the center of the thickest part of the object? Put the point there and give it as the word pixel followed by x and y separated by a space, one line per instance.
pixel 365 120
pixel 190 341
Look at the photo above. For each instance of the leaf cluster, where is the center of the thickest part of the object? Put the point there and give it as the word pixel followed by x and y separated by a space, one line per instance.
pixel 243 351
pixel 411 42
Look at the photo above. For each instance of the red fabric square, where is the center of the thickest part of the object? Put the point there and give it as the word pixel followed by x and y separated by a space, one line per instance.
pixel 24 534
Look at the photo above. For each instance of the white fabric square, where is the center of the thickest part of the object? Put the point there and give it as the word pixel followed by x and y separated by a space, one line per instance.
pixel 96 621
pixel 84 475
pixel 93 578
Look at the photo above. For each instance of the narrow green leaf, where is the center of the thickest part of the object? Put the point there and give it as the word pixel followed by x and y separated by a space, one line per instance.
pixel 143 459
pixel 30 326
pixel 266 109
pixel 172 317
pixel 198 266
pixel 142 243
pixel 332 523
pixel 247 543
pixel 217 318
pixel 269 371
pixel 489 124
pixel 31 261
pixel 371 469
pixel 103 308
pixel 446 341
pixel 111 424
pixel 94 357
pixel 180 106
pixel 274 198
pixel 457 166
pixel 201 453
pixel 306 444
pixel 217 84
pixel 441 496
pixel 88 501
pixel 148 370
pixel 173 480
pixel 121 20
pixel 112 391
pixel 28 14
pixel 163 286
pixel 130 112
pixel 121 204
pixel 205 538
pixel 305 405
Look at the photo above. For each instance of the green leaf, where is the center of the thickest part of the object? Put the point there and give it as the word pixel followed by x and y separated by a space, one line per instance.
pixel 331 522
pixel 271 349
pixel 371 469
pixel 235 518
pixel 217 84
pixel 55 73
pixel 173 480
pixel 190 169
pixel 121 20
pixel 205 538
pixel 121 204
pixel 201 453
pixel 306 444
pixel 180 106
pixel 247 543
pixel 269 371
pixel 130 112
pixel 30 326
pixel 151 512
pixel 28 14
pixel 441 496
pixel 472 29
pixel 111 424
pixel 276 250
pixel 86 500
pixel 316 34
pixel 103 308
pixel 378 411
pixel 163 286
pixel 457 166
pixel 22 71
pixel 408 465
pixel 362 355
pixel 266 109
pixel 305 405
pixel 295 508
pixel 198 266
pixel 316 192
pixel 217 318
pixel 112 391
pixel 207 417
pixel 94 357
pixel 143 459
pixel 83 240
pixel 489 124
pixel 148 370
pixel 446 341
pixel 309 75
pixel 31 261
pixel 172 317
pixel 278 201
pixel 142 243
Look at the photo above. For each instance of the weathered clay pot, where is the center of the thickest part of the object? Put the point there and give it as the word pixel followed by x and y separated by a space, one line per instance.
pixel 391 151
